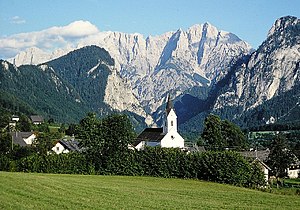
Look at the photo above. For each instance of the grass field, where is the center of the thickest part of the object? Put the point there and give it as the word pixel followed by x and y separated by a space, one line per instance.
pixel 53 128
pixel 50 191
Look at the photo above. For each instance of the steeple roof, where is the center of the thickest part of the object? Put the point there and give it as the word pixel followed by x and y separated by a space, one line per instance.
pixel 169 104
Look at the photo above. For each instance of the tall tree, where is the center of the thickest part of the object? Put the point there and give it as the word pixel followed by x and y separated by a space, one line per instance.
pixel 232 135
pixel 5 143
pixel 24 124
pixel 44 143
pixel 218 134
pixel 280 157
pixel 89 132
pixel 105 141
pixel 212 134
pixel 118 133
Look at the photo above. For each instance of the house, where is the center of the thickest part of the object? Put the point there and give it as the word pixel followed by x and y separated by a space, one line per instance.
pixel 13 123
pixel 260 157
pixel 15 118
pixel 66 146
pixel 264 168
pixel 23 138
pixel 293 171
pixel 37 119
pixel 260 154
pixel 166 136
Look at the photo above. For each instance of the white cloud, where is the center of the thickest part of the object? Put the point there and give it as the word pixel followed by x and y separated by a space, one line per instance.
pixel 48 39
pixel 76 29
pixel 17 20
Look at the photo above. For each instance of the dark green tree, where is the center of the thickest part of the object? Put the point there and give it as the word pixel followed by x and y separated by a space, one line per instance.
pixel 232 135
pixel 280 157
pixel 90 135
pixel 24 124
pixel 5 143
pixel 71 129
pixel 5 118
pixel 44 143
pixel 62 128
pixel 105 141
pixel 117 134
pixel 219 135
pixel 212 133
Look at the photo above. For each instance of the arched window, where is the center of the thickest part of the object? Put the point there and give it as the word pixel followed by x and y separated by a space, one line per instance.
pixel 172 123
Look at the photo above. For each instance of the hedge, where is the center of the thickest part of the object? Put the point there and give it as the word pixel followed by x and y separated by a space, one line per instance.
pixel 223 167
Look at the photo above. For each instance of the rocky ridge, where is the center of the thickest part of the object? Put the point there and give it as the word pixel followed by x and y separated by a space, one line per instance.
pixel 269 72
pixel 153 66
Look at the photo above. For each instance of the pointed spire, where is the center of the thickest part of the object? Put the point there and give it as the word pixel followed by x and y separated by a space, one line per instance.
pixel 169 104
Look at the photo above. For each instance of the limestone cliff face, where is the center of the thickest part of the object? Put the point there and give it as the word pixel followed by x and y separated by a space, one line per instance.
pixel 270 71
pixel 173 61
pixel 118 94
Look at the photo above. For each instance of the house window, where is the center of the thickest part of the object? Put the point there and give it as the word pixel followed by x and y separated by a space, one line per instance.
pixel 57 148
pixel 171 123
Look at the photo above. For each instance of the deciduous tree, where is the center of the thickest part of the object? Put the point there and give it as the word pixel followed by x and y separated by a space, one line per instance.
pixel 105 142
pixel 280 157
pixel 218 134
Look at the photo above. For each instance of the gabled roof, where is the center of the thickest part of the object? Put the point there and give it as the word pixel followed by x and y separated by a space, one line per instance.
pixel 36 118
pixel 150 134
pixel 71 145
pixel 262 163
pixel 18 137
pixel 261 154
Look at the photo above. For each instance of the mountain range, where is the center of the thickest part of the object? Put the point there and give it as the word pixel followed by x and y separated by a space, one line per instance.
pixel 206 70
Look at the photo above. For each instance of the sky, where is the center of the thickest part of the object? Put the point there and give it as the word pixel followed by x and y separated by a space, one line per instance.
pixel 25 23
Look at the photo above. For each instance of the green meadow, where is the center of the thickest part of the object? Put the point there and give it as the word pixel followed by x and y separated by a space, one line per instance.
pixel 60 191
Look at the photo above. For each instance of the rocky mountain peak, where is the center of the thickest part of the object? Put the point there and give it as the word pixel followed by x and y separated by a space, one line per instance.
pixel 175 60
pixel 271 71
pixel 282 24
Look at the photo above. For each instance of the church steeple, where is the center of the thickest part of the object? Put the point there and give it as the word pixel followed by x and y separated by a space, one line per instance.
pixel 170 118
pixel 169 105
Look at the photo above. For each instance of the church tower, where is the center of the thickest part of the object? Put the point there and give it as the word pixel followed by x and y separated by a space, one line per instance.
pixel 170 118
pixel 166 136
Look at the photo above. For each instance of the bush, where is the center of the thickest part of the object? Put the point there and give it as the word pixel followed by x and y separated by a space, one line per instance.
pixel 223 167
pixel 4 163
pixel 71 163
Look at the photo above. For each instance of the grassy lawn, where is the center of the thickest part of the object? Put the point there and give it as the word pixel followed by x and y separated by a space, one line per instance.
pixel 50 191
pixel 293 181
pixel 53 128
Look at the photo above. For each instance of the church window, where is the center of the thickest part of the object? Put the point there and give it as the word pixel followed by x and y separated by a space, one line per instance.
pixel 171 123
pixel 172 137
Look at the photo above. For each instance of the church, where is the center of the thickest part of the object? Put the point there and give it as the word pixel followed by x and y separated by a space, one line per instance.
pixel 166 136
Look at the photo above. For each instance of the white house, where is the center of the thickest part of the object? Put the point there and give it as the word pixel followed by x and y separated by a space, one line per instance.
pixel 65 146
pixel 167 136
pixel 23 138
pixel 294 170
pixel 264 168
pixel 260 157
pixel 15 118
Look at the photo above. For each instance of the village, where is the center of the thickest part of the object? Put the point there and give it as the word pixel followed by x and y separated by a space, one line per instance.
pixel 166 136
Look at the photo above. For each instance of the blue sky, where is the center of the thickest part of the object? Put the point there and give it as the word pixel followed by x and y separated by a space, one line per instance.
pixel 248 19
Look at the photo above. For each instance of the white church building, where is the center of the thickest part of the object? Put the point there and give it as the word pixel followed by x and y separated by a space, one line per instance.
pixel 167 136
